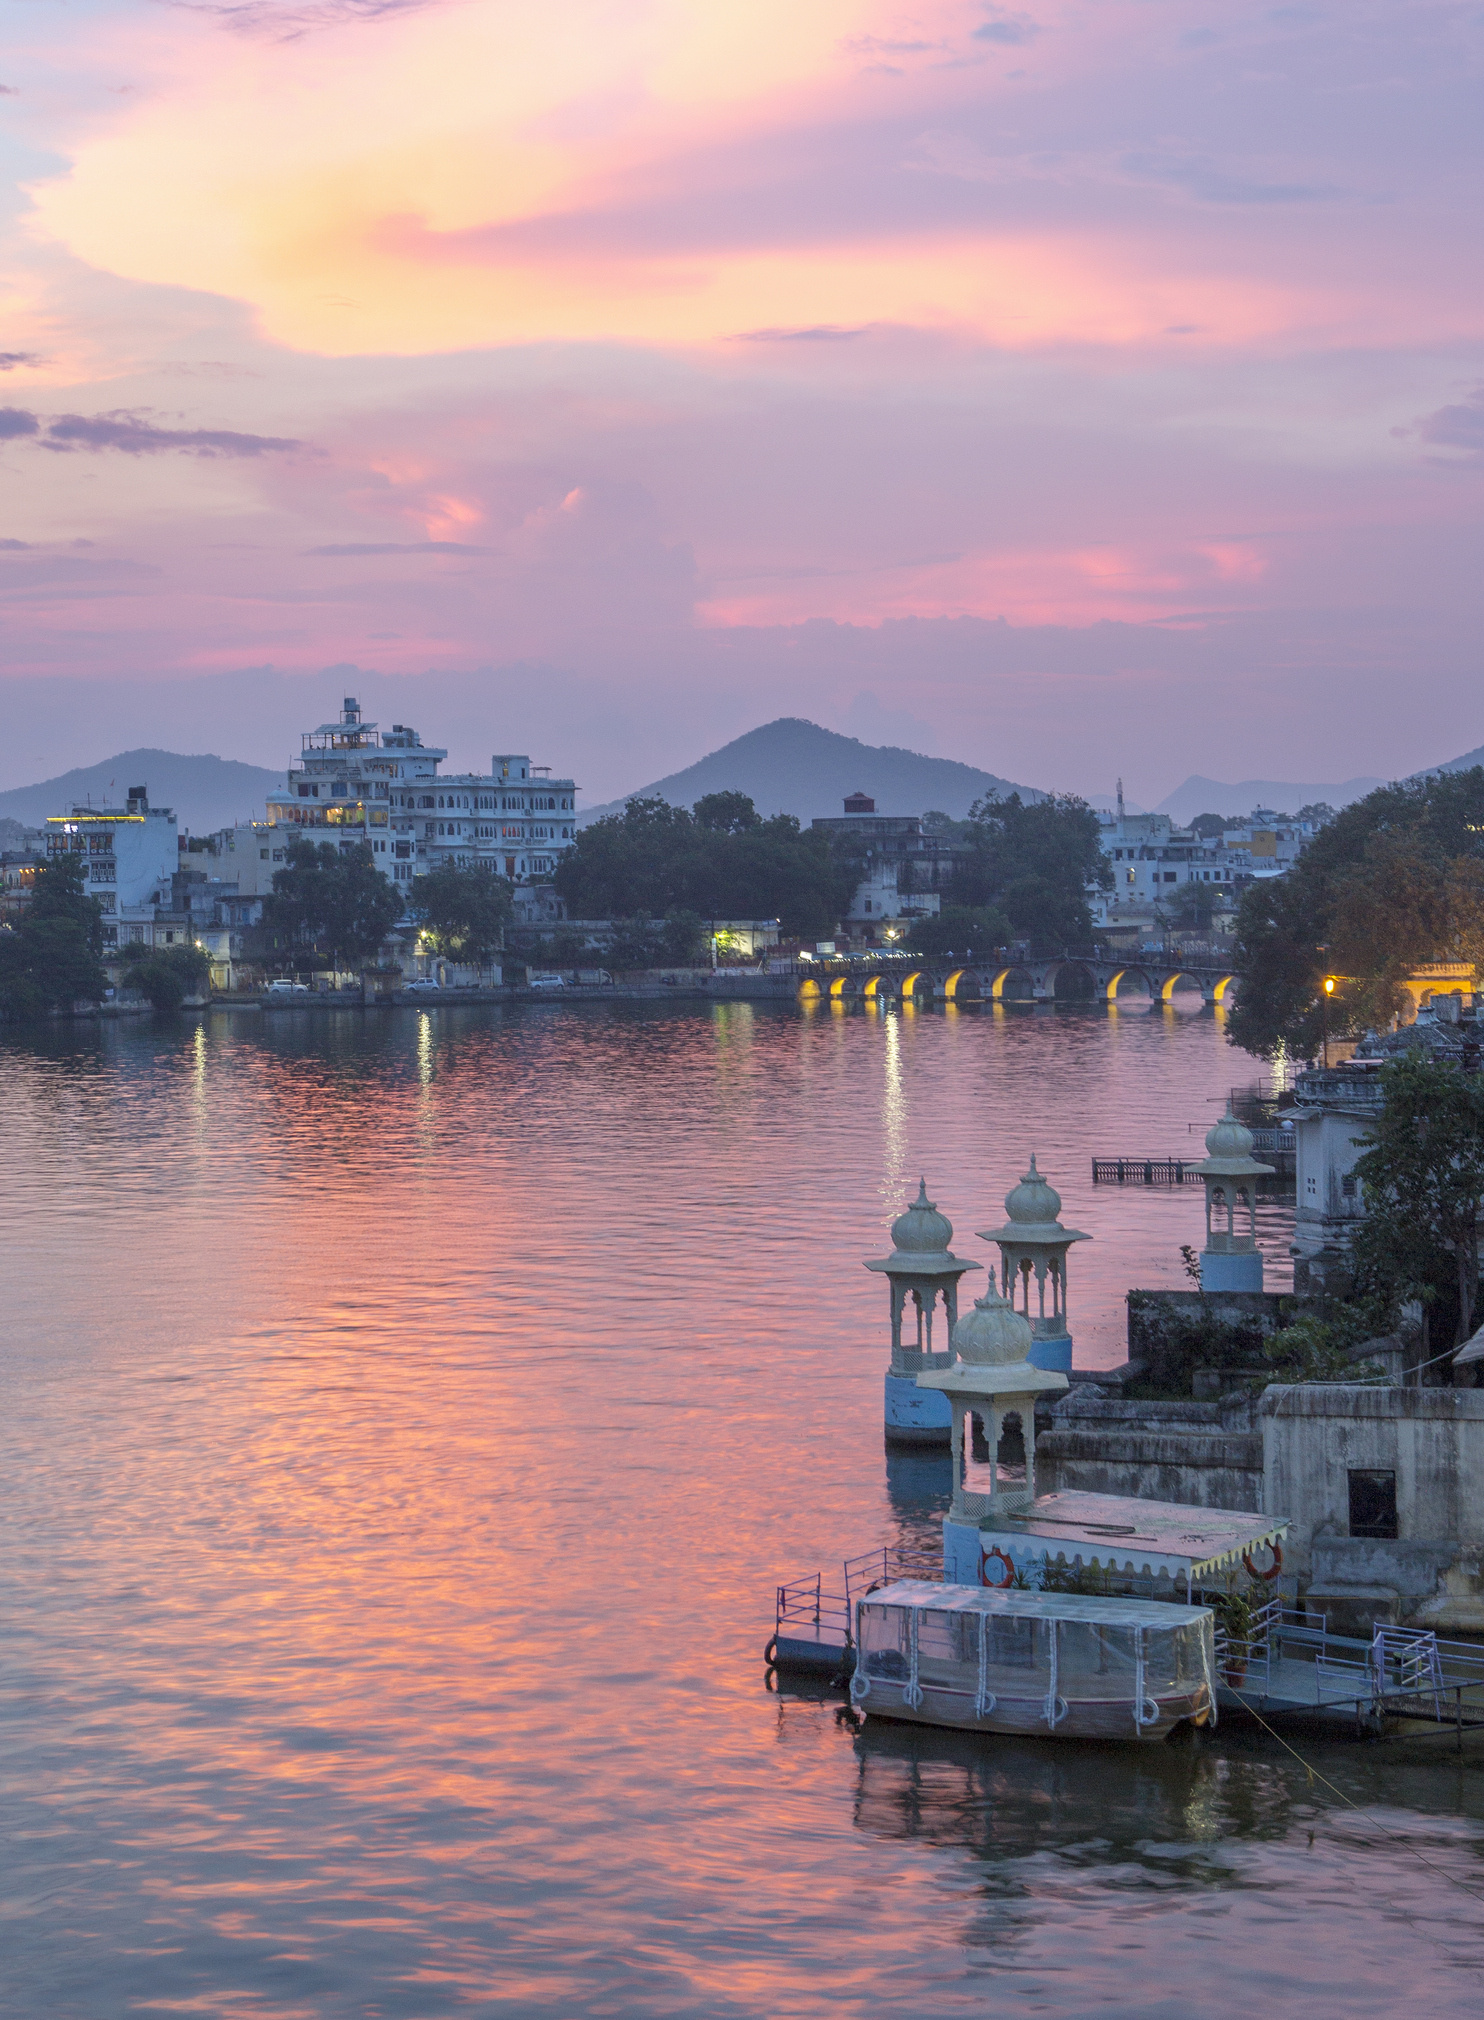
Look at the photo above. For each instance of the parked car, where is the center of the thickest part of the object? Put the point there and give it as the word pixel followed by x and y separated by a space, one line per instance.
pixel 546 981
pixel 424 985
pixel 284 985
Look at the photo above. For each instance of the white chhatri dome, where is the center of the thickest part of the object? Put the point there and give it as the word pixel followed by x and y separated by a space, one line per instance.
pixel 993 1334
pixel 1228 1137
pixel 1033 1202
pixel 921 1230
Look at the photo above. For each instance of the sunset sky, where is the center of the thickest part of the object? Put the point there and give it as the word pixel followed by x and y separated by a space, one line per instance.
pixel 1082 388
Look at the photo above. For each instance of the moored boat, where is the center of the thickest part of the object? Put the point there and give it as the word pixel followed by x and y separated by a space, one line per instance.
pixel 1065 1664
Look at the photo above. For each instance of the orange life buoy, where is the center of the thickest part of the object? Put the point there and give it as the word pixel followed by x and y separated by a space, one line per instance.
pixel 987 1557
pixel 1268 1576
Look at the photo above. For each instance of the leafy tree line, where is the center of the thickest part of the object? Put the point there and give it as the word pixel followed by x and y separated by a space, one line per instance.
pixel 1422 1177
pixel 1391 882
pixel 1026 876
pixel 51 957
pixel 720 860
pixel 335 903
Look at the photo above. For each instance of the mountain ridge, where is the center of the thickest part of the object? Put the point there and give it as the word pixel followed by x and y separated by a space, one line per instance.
pixel 205 791
pixel 794 766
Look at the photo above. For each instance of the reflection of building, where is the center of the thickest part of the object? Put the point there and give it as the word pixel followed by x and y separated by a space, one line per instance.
pixel 356 784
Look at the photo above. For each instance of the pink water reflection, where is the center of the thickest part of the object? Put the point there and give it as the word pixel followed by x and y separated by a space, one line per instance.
pixel 408 1419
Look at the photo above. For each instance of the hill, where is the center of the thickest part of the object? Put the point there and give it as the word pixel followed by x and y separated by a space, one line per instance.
pixel 206 792
pixel 795 767
pixel 1464 764
pixel 1210 796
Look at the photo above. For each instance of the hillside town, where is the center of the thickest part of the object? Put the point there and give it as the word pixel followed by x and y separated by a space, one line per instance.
pixel 382 795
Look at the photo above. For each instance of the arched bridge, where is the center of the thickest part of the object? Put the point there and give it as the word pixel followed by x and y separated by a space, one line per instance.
pixel 1056 978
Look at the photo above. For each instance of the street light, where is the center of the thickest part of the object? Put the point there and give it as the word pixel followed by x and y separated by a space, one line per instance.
pixel 1329 990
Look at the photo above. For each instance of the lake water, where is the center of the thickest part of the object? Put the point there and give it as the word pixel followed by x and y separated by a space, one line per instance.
pixel 406 1419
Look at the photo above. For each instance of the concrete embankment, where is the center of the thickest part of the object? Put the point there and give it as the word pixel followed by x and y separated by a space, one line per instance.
pixel 722 988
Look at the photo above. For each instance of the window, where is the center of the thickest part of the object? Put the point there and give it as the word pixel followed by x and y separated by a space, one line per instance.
pixel 1372 1503
pixel 1170 876
pixel 1347 1185
pixel 262 855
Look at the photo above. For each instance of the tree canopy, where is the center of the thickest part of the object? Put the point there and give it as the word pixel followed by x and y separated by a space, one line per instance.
pixel 331 901
pixel 50 958
pixel 1034 862
pixel 1423 1178
pixel 960 929
pixel 1393 881
pixel 722 860
pixel 464 912
pixel 167 975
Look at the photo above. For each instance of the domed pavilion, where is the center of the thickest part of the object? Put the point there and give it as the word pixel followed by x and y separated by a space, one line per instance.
pixel 922 1267
pixel 1231 1259
pixel 1033 1245
pixel 990 1377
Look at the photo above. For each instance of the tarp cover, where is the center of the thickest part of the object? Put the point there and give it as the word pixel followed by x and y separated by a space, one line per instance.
pixel 986 1645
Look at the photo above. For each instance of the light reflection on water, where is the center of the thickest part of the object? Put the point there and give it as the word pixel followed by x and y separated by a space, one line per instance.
pixel 407 1418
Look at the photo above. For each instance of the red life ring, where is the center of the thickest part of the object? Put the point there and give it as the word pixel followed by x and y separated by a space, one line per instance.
pixel 1266 1577
pixel 985 1560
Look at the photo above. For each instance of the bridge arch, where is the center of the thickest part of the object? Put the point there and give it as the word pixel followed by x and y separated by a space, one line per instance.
pixel 916 985
pixel 1172 982
pixel 1222 989
pixel 1109 990
pixel 841 986
pixel 1070 982
pixel 809 991
pixel 1011 985
pixel 964 985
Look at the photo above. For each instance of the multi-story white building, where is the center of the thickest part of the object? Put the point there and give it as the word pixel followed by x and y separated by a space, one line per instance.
pixel 356 784
pixel 130 855
pixel 1151 858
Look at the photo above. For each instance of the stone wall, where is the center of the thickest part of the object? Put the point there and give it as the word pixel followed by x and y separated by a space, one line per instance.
pixel 1207 1454
pixel 1314 1434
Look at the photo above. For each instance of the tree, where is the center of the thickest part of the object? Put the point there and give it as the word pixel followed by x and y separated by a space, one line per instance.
pixel 167 975
pixel 1036 863
pixel 463 912
pixel 960 929
pixel 721 862
pixel 1393 881
pixel 1423 1177
pixel 332 901
pixel 1209 826
pixel 50 959
pixel 726 813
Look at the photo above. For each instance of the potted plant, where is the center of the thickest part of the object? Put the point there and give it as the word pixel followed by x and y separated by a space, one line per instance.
pixel 1237 1616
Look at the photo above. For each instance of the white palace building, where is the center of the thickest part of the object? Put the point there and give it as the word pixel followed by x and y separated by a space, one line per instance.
pixel 357 784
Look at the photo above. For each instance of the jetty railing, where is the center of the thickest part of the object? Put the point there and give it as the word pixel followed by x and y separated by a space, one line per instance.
pixel 806 1606
pixel 1144 1171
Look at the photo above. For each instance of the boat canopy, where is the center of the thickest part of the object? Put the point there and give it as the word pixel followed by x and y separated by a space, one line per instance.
pixel 1047 1653
pixel 1118 1532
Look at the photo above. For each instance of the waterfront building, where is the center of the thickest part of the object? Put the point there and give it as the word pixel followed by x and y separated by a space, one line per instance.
pixel 129 853
pixel 356 784
pixel 904 866
pixel 1231 1259
pixel 921 1267
pixel 1034 1244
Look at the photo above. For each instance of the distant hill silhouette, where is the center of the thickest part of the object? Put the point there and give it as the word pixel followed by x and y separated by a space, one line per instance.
pixel 795 767
pixel 1210 796
pixel 1463 764
pixel 206 792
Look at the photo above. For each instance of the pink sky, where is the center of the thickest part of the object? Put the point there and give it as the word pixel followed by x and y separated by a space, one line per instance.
pixel 1083 388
